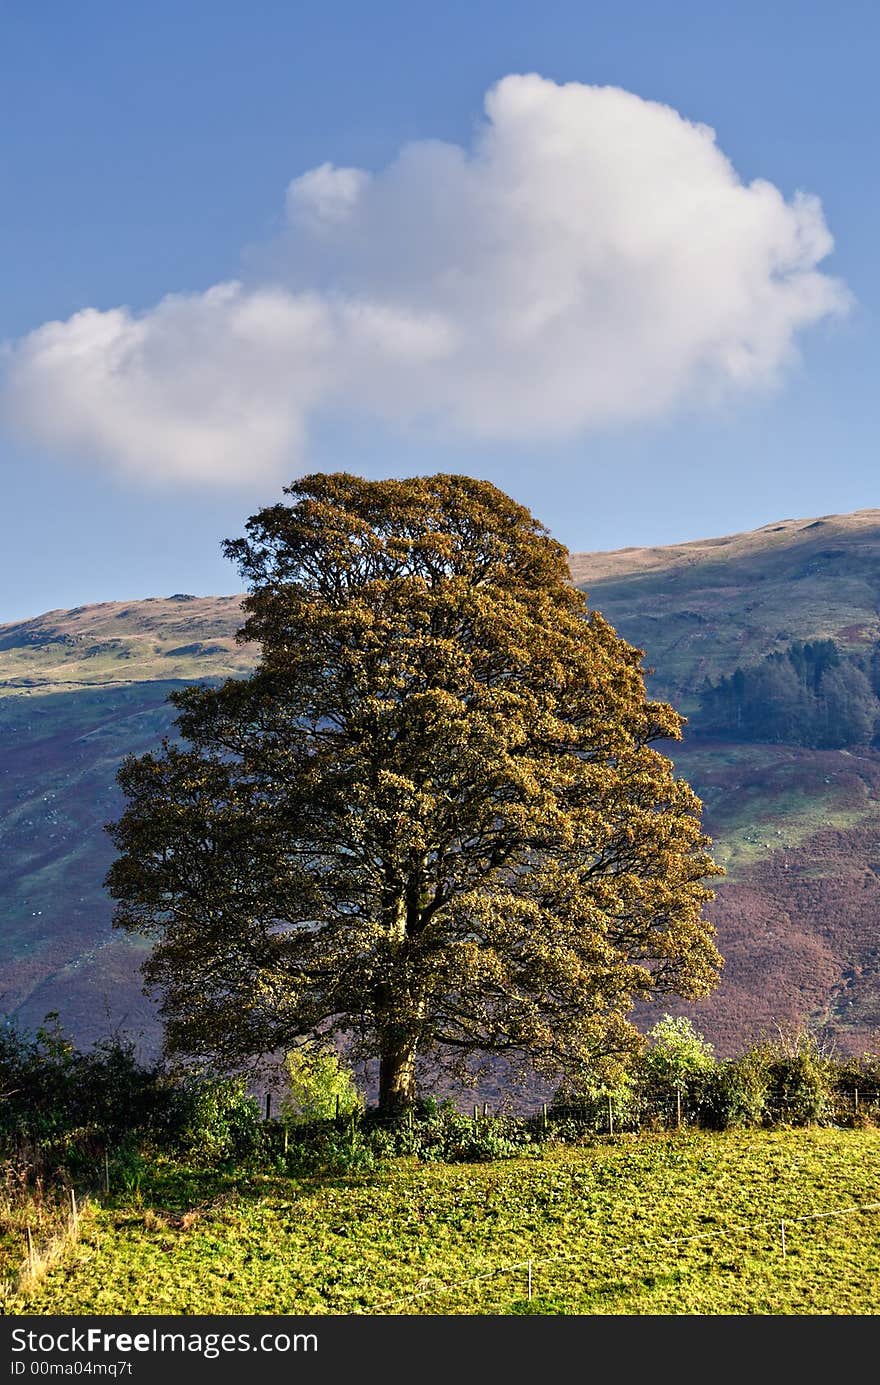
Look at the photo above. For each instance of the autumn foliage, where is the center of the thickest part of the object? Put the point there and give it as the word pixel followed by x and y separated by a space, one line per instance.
pixel 432 820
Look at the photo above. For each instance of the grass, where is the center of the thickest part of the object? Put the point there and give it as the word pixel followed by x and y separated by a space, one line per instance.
pixel 592 1220
pixel 762 799
pixel 46 1213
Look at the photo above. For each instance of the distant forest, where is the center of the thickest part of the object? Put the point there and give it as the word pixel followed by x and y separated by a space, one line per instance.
pixel 810 694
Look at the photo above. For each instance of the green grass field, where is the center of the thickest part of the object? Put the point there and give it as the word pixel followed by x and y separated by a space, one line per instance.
pixel 603 1226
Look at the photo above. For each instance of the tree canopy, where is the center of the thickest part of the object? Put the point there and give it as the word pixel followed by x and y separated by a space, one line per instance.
pixel 432 820
pixel 808 694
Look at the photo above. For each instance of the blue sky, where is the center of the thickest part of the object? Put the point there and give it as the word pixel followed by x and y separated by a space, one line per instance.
pixel 148 151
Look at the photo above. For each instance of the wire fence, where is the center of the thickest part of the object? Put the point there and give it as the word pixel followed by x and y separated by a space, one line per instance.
pixel 777 1234
pixel 633 1113
pixel 636 1112
pixel 77 1169
pixel 526 1277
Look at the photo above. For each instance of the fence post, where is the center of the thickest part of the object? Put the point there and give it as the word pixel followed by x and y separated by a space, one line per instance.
pixel 856 1102
pixel 74 1214
pixel 485 1108
pixel 30 1249
pixel 476 1113
pixel 543 1115
pixel 337 1106
pixel 268 1106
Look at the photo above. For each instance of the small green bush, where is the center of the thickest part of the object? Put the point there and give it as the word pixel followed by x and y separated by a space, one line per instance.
pixel 320 1087
pixel 801 1088
pixel 217 1120
pixel 675 1063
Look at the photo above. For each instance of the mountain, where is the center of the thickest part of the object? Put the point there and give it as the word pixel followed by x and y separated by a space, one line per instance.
pixel 78 690
pixel 797 829
pixel 700 609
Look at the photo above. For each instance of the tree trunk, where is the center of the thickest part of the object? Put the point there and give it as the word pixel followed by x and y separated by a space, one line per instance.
pixel 397 1076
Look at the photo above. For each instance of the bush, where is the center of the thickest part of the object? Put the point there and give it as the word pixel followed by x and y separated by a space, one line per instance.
pixel 669 1077
pixel 326 1147
pixel 736 1093
pixel 676 1060
pixel 320 1087
pixel 801 1087
pixel 773 1084
pixel 858 1090
pixel 593 1107
pixel 216 1120
pixel 62 1108
pixel 437 1132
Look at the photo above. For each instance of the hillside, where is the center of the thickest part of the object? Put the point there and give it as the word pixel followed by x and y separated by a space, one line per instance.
pixel 666 1224
pixel 78 690
pixel 114 644
pixel 700 609
pixel 798 829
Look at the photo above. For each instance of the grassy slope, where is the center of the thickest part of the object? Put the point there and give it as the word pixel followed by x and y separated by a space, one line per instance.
pixel 700 609
pixel 78 690
pixel 116 643
pixel 593 1220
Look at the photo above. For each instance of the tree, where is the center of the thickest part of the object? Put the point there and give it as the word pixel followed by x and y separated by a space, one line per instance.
pixel 677 1054
pixel 849 707
pixel 432 819
pixel 319 1086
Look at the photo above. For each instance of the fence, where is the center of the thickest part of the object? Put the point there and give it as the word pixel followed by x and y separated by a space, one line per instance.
pixel 527 1278
pixel 612 1115
pixel 777 1234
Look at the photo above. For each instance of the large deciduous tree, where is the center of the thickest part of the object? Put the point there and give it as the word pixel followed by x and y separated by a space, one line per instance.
pixel 432 818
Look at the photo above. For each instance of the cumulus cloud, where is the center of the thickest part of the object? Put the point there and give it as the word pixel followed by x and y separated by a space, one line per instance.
pixel 592 259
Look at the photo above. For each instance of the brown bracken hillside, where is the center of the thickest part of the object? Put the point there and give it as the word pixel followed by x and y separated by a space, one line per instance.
pixel 798 829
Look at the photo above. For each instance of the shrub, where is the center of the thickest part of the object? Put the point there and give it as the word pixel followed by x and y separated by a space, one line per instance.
pixel 320 1087
pixel 596 1106
pixel 216 1119
pixel 676 1054
pixel 437 1132
pixel 858 1090
pixel 62 1108
pixel 736 1093
pixel 326 1147
pixel 801 1086
pixel 673 1071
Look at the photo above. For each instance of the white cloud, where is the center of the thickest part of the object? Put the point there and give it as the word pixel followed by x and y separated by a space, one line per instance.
pixel 203 386
pixel 593 259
